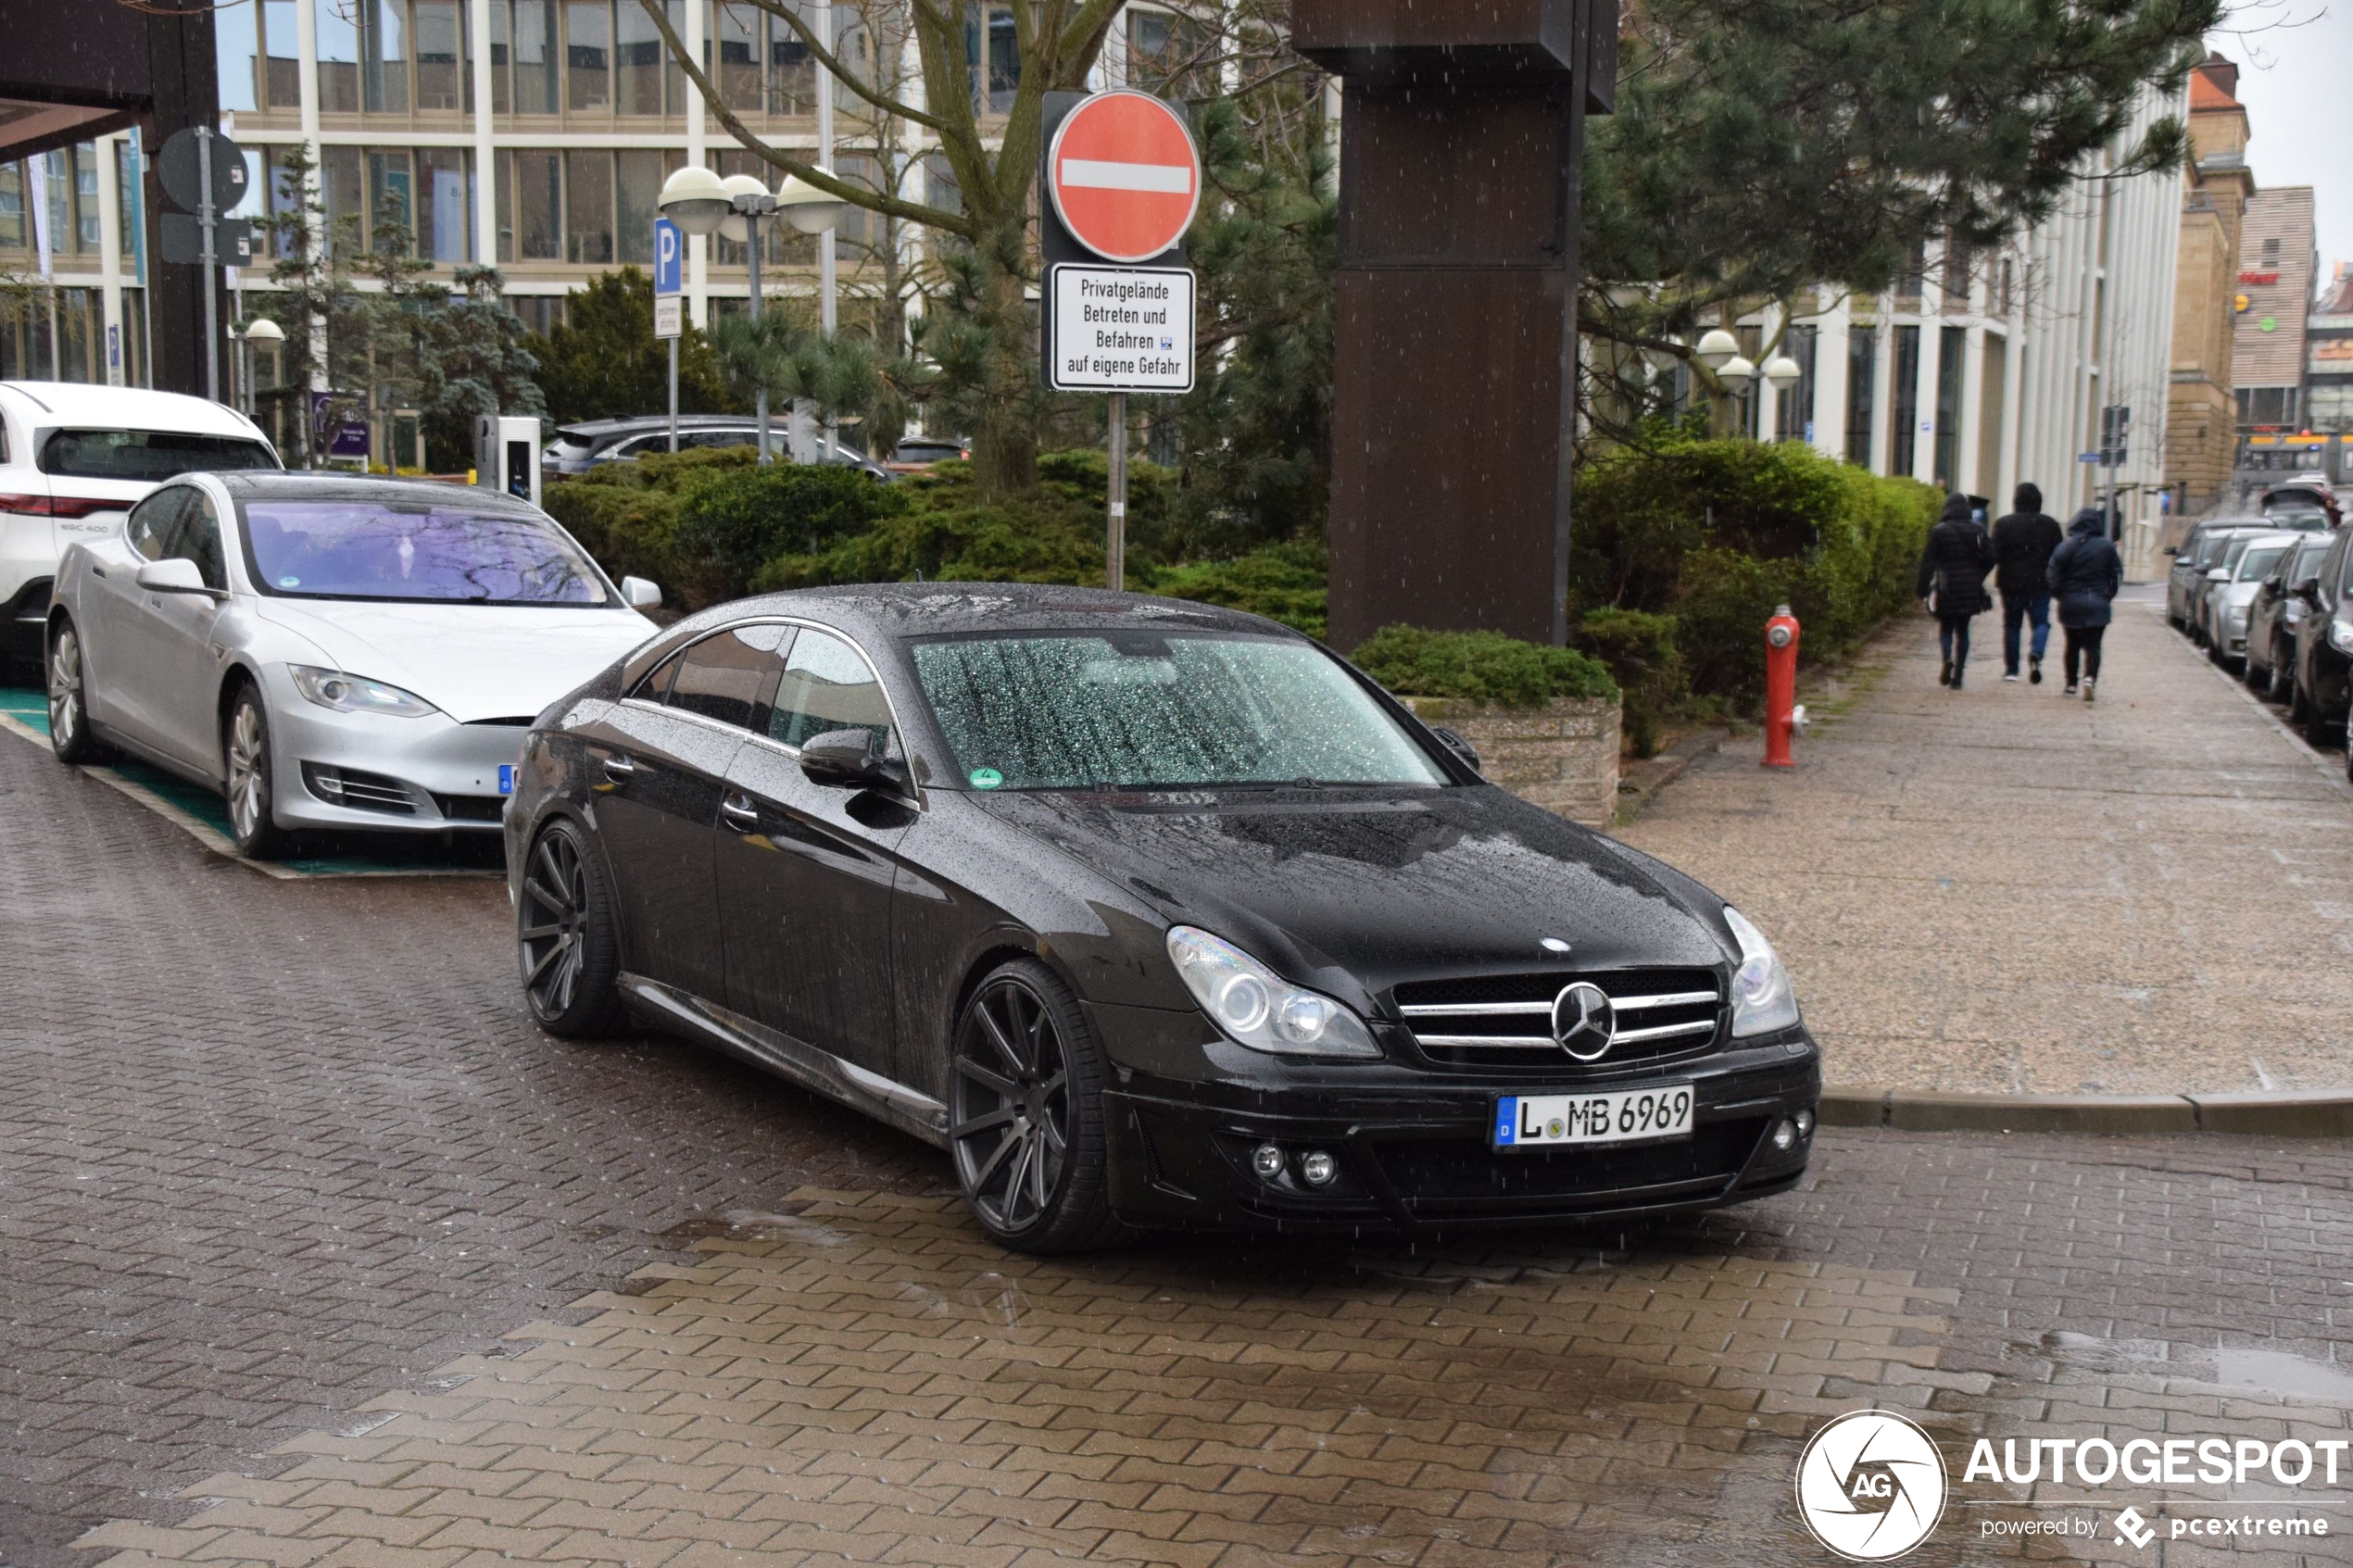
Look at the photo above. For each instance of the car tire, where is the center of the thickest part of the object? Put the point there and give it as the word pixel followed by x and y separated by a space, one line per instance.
pixel 2254 676
pixel 1025 1076
pixel 2319 728
pixel 249 779
pixel 70 734
pixel 566 943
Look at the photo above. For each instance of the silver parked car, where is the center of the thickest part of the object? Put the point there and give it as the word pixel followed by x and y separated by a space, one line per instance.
pixel 2186 584
pixel 2272 620
pixel 2231 597
pixel 330 653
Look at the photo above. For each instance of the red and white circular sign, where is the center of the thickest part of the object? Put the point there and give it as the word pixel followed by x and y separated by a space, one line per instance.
pixel 1124 175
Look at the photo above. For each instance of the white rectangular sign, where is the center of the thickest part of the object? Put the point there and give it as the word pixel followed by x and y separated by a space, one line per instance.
pixel 667 315
pixel 1120 329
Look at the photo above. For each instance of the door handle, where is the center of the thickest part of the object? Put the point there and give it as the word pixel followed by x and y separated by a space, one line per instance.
pixel 620 770
pixel 739 812
pixel 98 572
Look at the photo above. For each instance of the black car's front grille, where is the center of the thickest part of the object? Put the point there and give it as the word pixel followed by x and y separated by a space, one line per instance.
pixel 471 808
pixel 1505 1020
pixel 362 791
pixel 1433 1177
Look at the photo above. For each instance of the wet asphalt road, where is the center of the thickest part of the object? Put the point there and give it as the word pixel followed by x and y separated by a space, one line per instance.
pixel 270 1151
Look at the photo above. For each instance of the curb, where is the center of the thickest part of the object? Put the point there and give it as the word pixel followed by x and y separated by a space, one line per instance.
pixel 2307 1113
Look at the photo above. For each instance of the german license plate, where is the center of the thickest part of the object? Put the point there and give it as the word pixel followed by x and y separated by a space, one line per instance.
pixel 1626 1116
pixel 505 778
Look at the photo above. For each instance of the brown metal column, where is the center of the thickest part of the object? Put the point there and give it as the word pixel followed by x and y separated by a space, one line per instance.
pixel 1454 389
pixel 186 83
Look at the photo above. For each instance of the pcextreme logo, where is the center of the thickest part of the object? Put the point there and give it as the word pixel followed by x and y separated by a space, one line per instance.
pixel 1871 1486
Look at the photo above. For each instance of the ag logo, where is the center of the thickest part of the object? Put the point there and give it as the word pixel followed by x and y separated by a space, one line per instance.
pixel 1871 1486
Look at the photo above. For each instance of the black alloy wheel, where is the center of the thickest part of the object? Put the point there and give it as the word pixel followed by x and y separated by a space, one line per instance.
pixel 70 734
pixel 564 937
pixel 1025 1115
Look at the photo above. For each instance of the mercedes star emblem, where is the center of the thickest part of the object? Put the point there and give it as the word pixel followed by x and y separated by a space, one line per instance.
pixel 1583 1021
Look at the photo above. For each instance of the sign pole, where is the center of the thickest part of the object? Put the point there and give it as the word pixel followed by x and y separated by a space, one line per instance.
pixel 674 395
pixel 1115 524
pixel 204 210
pixel 668 305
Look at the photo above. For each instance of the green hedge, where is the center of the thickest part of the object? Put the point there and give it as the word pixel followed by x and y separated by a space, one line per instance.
pixel 1481 666
pixel 1715 533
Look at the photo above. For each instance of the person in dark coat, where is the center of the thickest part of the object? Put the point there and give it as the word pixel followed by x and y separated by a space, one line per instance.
pixel 2083 576
pixel 2023 543
pixel 1952 579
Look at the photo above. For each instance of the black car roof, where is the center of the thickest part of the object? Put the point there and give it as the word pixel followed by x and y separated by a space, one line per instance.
pixel 258 484
pixel 916 610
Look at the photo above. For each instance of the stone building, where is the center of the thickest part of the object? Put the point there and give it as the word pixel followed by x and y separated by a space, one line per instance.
pixel 2275 291
pixel 2201 421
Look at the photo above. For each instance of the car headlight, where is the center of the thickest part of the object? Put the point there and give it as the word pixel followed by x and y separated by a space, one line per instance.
pixel 352 694
pixel 2341 635
pixel 1259 1009
pixel 2238 616
pixel 1763 999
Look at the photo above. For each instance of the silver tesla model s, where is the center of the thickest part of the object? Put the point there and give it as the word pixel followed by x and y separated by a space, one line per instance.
pixel 330 653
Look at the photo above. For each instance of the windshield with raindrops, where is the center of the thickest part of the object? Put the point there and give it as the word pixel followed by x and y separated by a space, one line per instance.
pixel 429 553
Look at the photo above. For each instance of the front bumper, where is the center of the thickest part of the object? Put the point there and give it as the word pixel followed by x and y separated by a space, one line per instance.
pixel 432 774
pixel 1412 1146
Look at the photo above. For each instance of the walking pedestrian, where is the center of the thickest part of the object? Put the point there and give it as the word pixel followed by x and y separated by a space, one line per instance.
pixel 2083 576
pixel 2023 543
pixel 1952 579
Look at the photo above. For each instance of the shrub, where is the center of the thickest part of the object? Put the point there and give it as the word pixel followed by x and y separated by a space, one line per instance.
pixel 1283 582
pixel 733 523
pixel 1481 666
pixel 1638 648
pixel 626 516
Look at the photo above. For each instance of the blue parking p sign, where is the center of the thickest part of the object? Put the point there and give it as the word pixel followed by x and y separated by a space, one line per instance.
pixel 669 255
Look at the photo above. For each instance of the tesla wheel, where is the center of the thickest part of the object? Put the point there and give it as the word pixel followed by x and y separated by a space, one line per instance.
pixel 1026 1114
pixel 250 781
pixel 68 708
pixel 564 936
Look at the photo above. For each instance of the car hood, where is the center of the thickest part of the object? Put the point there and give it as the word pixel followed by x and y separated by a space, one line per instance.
pixel 1383 886
pixel 472 661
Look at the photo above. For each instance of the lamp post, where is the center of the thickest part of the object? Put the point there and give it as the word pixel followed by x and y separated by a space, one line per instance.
pixel 252 334
pixel 737 208
pixel 812 211
pixel 1780 373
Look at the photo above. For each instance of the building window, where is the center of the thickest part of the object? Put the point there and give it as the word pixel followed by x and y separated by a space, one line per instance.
pixel 992 51
pixel 541 313
pixel 446 205
pixel 1912 278
pixel 1903 400
pixel 1169 54
pixel 441 46
pixel 536 90
pixel 535 179
pixel 1862 390
pixel 384 56
pixel 391 206
pixel 2271 251
pixel 735 32
pixel 792 71
pixel 1990 394
pixel 1794 407
pixel 637 56
pixel 637 184
pixel 1961 269
pixel 2006 285
pixel 588 209
pixel 236 48
pixel 86 211
pixel 1951 364
pixel 345 197
pixel 588 56
pixel 15 232
pixel 338 35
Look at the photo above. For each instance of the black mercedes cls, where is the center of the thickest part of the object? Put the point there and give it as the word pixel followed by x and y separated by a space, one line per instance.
pixel 1151 914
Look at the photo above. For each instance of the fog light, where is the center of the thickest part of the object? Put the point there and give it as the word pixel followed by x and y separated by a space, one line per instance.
pixel 1318 1169
pixel 1805 1123
pixel 1267 1160
pixel 1786 1134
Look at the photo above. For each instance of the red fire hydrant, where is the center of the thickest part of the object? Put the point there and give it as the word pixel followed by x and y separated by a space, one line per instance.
pixel 1780 687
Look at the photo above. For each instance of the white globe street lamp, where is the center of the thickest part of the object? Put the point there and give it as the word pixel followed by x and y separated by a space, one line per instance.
pixel 1783 373
pixel 807 208
pixel 1715 348
pixel 1736 370
pixel 694 199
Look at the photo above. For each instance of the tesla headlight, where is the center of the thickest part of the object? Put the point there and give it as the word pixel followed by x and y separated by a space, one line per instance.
pixel 2341 635
pixel 1763 999
pixel 1259 1009
pixel 351 694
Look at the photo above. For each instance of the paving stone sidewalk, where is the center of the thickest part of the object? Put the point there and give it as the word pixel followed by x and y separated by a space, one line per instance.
pixel 2003 890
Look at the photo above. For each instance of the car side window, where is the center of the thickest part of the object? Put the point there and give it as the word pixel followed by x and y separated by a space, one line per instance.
pixel 195 535
pixel 155 519
pixel 655 686
pixel 717 438
pixel 731 675
pixel 827 686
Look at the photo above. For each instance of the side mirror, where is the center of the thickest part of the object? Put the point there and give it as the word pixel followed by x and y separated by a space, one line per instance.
pixel 2172 549
pixel 1463 749
pixel 2309 591
pixel 851 760
pixel 178 575
pixel 2218 574
pixel 639 593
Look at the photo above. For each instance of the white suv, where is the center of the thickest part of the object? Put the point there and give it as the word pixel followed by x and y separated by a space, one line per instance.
pixel 72 459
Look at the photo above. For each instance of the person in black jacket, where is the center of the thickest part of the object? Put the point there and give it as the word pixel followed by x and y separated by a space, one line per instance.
pixel 2083 576
pixel 1952 579
pixel 2022 546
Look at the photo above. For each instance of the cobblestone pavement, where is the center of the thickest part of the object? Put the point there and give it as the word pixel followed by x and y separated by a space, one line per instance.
pixel 301 1216
pixel 2000 890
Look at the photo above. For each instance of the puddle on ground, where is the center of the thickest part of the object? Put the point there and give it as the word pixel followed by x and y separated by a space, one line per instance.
pixel 2252 1369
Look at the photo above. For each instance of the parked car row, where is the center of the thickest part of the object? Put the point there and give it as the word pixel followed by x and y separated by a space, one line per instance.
pixel 584 447
pixel 2271 597
pixel 1146 913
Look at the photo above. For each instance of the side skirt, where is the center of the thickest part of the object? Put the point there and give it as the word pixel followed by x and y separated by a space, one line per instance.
pixel 819 1071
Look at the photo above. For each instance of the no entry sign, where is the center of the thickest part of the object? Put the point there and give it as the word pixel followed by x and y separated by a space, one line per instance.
pixel 1124 176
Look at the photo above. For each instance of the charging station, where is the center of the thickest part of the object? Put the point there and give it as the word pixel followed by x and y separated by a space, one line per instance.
pixel 506 455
